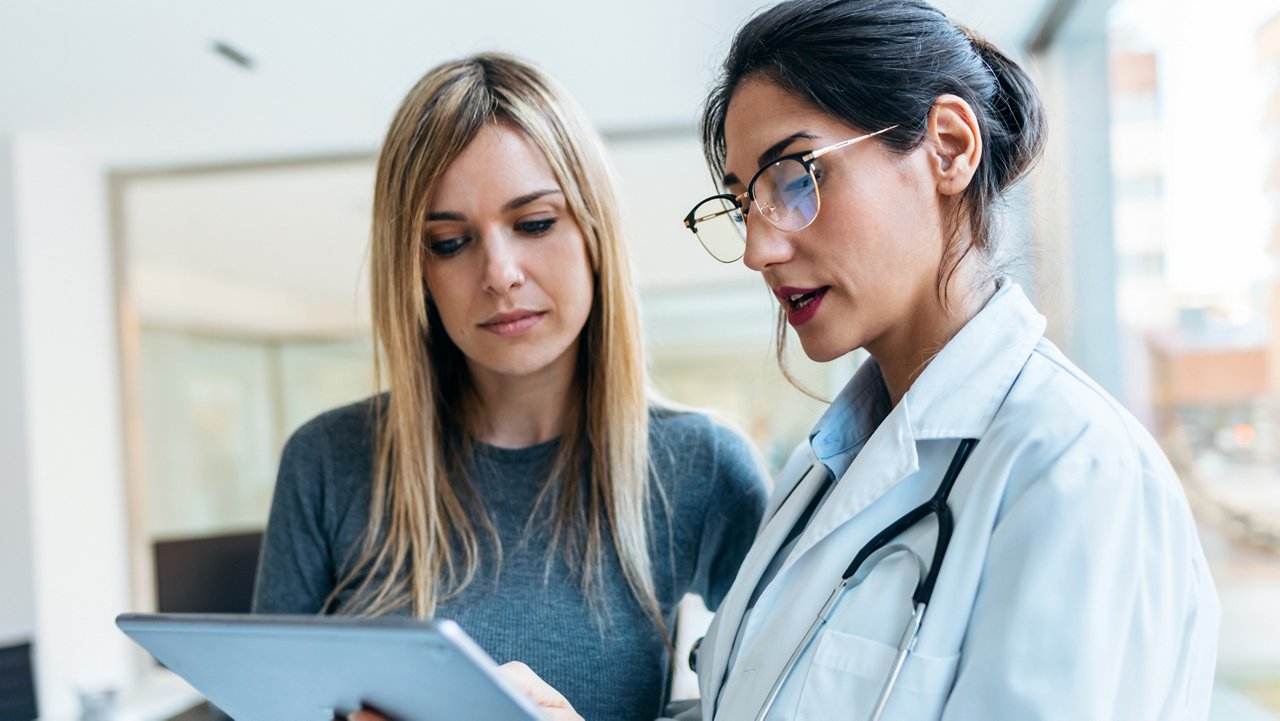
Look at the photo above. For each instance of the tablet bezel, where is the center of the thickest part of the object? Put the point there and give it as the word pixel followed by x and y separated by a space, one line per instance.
pixel 195 646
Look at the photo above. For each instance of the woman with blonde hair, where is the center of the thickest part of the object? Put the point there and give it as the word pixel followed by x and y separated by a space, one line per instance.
pixel 516 477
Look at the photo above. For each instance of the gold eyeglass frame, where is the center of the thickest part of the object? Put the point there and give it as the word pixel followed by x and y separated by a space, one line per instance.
pixel 738 202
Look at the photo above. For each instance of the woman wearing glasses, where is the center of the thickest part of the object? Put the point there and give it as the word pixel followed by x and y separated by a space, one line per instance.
pixel 516 478
pixel 974 529
pixel 987 533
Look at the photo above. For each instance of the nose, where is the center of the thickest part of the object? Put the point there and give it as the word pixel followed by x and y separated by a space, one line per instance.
pixel 503 267
pixel 766 245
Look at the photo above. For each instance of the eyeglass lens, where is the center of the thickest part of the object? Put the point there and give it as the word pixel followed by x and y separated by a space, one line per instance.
pixel 786 195
pixel 719 225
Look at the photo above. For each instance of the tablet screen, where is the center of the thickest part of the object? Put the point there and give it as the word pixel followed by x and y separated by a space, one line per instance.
pixel 311 668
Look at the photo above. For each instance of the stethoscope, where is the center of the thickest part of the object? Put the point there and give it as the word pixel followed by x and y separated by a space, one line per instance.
pixel 876 550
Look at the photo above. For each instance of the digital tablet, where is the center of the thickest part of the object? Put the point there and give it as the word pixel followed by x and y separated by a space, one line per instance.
pixel 313 668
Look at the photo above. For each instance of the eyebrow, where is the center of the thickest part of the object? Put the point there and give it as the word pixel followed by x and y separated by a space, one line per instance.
pixel 513 204
pixel 527 198
pixel 772 153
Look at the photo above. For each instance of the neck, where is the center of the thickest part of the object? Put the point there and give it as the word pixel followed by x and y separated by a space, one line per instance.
pixel 522 411
pixel 904 355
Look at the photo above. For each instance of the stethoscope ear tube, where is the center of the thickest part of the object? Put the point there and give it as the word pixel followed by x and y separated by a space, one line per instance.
pixel 938 506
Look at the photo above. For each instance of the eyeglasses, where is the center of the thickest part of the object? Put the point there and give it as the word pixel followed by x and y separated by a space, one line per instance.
pixel 785 192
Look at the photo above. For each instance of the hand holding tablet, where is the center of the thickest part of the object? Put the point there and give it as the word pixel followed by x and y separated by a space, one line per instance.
pixel 554 705
pixel 315 668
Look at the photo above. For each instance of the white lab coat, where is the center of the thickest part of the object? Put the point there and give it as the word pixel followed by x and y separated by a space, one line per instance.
pixel 1074 588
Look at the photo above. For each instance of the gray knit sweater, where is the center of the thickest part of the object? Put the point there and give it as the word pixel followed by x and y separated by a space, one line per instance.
pixel 611 666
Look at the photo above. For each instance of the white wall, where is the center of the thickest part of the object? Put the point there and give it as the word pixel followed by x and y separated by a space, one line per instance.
pixel 17 607
pixel 69 344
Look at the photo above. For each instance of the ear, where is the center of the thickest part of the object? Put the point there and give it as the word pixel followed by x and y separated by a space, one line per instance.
pixel 954 143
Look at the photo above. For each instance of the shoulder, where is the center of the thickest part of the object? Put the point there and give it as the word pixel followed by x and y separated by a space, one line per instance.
pixel 1080 477
pixel 1058 425
pixel 333 452
pixel 686 436
pixel 345 427
pixel 690 446
pixel 1056 406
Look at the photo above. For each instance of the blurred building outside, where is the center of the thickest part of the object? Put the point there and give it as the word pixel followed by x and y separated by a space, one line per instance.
pixel 1201 312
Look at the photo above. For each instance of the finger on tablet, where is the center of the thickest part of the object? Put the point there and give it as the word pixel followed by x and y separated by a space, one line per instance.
pixel 553 703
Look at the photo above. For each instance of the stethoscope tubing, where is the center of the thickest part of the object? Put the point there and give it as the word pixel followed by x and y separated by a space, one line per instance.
pixel 905 646
pixel 879 546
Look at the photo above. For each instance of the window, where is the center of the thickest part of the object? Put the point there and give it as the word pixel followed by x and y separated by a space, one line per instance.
pixel 1195 162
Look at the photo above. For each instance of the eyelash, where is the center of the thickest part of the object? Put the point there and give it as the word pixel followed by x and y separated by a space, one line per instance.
pixel 448 247
pixel 535 228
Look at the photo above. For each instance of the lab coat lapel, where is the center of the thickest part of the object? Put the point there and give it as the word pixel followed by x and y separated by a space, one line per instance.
pixel 959 393
pixel 887 459
pixel 956 397
pixel 811 478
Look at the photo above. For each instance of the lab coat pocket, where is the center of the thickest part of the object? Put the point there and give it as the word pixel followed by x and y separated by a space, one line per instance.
pixel 848 672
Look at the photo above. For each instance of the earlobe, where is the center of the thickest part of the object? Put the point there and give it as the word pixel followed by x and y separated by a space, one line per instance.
pixel 956 143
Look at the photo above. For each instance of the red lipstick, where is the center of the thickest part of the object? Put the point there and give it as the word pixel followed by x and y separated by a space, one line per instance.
pixel 801 304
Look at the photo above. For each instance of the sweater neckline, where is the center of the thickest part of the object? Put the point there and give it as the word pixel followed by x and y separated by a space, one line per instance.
pixel 529 454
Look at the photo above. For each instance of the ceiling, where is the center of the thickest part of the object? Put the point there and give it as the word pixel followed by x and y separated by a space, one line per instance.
pixel 137 82
pixel 221 235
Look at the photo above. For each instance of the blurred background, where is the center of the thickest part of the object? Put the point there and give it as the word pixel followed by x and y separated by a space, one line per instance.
pixel 185 191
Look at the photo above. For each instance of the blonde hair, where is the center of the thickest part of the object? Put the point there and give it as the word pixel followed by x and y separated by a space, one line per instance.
pixel 420 495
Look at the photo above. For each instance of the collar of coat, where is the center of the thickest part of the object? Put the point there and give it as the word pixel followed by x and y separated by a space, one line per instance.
pixel 956 396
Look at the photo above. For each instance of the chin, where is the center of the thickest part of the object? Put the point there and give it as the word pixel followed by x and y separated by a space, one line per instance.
pixel 822 352
pixel 519 369
pixel 522 362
